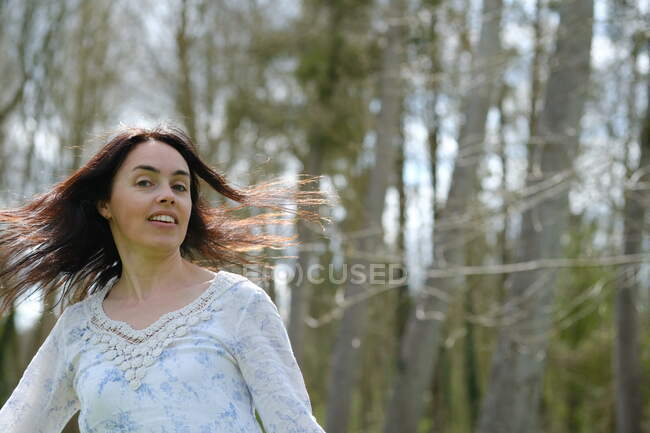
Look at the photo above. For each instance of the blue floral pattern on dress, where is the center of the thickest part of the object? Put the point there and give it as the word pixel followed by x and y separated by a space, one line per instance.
pixel 209 378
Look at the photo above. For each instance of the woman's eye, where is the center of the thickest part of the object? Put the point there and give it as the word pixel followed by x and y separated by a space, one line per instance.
pixel 179 187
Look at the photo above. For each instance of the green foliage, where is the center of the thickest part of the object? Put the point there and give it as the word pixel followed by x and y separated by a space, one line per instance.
pixel 327 60
pixel 334 59
pixel 335 62
pixel 578 387
pixel 269 117
pixel 575 282
pixel 7 336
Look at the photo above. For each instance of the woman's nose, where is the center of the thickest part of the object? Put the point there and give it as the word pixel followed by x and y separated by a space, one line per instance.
pixel 167 195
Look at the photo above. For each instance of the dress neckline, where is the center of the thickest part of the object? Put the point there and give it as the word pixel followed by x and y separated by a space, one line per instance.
pixel 97 308
pixel 134 350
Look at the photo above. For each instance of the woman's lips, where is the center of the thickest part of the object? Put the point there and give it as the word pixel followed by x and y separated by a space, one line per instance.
pixel 162 224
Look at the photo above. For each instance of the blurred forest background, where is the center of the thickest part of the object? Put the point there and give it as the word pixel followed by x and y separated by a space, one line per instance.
pixel 497 149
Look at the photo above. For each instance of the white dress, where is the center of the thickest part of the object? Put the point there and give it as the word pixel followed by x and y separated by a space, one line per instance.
pixel 201 369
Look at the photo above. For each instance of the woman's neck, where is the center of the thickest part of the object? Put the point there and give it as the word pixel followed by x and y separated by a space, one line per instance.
pixel 141 280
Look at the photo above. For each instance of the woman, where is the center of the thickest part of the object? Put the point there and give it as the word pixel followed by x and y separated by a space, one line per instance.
pixel 153 342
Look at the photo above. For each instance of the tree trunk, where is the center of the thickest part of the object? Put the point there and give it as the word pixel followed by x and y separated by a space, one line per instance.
pixel 402 299
pixel 345 359
pixel 301 292
pixel 511 402
pixel 422 336
pixel 185 93
pixel 627 368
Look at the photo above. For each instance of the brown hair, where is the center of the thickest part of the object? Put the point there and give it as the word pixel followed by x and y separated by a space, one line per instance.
pixel 59 239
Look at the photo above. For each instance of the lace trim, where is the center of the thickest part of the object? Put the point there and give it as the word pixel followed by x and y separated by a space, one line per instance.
pixel 134 350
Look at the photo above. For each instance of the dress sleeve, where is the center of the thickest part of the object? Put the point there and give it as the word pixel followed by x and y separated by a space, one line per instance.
pixel 44 399
pixel 268 365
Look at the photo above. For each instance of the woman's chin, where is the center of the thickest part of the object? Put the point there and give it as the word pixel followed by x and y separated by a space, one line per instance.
pixel 158 245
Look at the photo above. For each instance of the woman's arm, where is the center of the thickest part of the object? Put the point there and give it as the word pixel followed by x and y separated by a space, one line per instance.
pixel 267 363
pixel 44 399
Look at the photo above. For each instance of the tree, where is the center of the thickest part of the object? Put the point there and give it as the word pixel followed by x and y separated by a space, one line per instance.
pixel 510 404
pixel 423 332
pixel 626 349
pixel 346 356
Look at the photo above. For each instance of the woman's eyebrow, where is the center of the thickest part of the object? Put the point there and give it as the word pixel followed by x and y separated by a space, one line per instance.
pixel 155 170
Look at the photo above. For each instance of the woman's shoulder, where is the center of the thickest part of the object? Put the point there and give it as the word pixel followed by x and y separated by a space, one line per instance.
pixel 245 297
pixel 239 287
pixel 71 319
pixel 72 315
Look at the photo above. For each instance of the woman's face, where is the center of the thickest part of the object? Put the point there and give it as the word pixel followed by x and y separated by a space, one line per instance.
pixel 153 180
